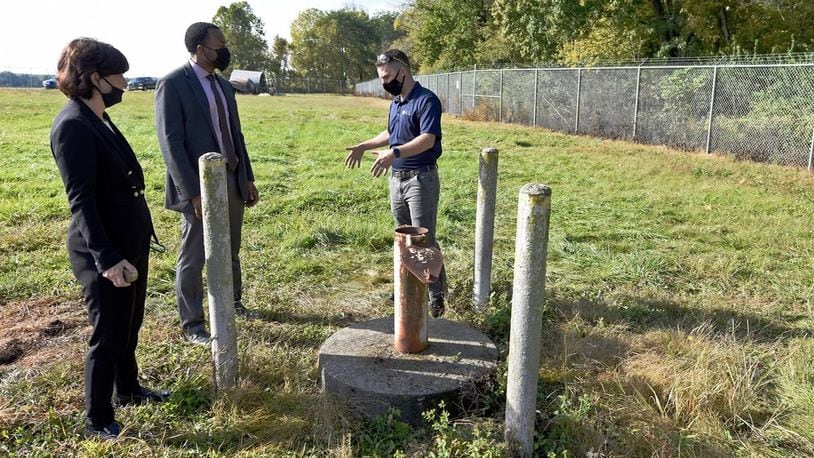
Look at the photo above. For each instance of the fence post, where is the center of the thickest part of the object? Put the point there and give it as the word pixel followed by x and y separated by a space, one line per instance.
pixel 218 254
pixel 711 106
pixel 485 226
pixel 811 150
pixel 579 89
pixel 474 85
pixel 460 92
pixel 500 101
pixel 528 294
pixel 536 76
pixel 636 108
pixel 448 101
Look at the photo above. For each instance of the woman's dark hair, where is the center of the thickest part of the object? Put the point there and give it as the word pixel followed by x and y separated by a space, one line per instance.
pixel 80 58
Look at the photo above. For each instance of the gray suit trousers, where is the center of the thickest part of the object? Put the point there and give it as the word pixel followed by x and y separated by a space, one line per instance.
pixel 189 270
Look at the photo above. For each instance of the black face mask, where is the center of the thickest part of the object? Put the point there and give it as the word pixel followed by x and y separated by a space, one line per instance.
pixel 394 86
pixel 113 97
pixel 224 57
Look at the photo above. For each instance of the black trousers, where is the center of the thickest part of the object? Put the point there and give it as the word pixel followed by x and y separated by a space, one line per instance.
pixel 116 315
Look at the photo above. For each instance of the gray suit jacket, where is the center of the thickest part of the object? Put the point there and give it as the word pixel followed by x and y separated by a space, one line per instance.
pixel 185 133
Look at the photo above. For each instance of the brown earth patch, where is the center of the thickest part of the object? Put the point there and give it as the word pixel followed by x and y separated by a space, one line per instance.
pixel 40 331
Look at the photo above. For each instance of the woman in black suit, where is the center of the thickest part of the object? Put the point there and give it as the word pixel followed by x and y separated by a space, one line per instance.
pixel 110 230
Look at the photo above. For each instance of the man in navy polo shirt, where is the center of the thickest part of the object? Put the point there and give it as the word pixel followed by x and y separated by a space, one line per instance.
pixel 414 136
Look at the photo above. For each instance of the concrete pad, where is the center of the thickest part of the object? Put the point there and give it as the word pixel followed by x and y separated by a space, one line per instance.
pixel 359 363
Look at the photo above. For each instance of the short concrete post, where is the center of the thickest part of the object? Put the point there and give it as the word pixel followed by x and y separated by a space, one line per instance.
pixel 410 334
pixel 528 294
pixel 217 246
pixel 485 227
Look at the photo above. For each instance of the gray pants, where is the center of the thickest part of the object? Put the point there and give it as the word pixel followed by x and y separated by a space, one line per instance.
pixel 189 270
pixel 414 201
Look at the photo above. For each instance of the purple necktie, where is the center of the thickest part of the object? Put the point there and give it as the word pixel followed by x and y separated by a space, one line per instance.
pixel 226 138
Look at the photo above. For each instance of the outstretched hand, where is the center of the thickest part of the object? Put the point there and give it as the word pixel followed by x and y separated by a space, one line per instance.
pixel 384 159
pixel 354 157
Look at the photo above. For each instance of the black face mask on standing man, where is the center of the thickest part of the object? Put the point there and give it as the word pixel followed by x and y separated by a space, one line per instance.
pixel 224 57
pixel 394 86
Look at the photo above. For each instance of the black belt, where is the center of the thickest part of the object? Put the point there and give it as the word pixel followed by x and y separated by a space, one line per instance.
pixel 405 174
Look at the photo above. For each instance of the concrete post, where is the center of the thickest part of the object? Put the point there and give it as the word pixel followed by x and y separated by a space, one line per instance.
pixel 217 246
pixel 485 227
pixel 528 294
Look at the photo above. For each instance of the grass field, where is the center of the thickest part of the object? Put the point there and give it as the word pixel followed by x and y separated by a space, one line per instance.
pixel 678 316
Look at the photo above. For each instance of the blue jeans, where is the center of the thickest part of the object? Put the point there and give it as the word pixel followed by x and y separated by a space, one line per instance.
pixel 414 201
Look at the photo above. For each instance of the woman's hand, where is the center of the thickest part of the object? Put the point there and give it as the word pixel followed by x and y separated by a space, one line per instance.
pixel 116 274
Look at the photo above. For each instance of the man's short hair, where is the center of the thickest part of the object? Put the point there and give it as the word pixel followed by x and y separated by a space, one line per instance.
pixel 393 55
pixel 196 34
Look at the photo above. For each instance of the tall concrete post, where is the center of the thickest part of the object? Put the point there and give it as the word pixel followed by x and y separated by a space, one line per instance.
pixel 217 246
pixel 485 227
pixel 528 294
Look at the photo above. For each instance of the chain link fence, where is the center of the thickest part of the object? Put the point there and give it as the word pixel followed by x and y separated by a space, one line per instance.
pixel 312 86
pixel 759 112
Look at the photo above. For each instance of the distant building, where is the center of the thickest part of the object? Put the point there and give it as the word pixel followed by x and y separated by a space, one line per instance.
pixel 249 82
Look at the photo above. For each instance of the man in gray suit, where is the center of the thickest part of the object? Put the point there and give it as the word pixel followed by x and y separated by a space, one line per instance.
pixel 196 113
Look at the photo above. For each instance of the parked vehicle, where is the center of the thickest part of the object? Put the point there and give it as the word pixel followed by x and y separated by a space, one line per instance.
pixel 141 83
pixel 50 83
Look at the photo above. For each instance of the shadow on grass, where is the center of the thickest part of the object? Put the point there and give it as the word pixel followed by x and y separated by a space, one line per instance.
pixel 644 314
pixel 647 314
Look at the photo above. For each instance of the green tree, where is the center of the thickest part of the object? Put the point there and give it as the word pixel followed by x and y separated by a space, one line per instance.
pixel 388 35
pixel 279 56
pixel 245 36
pixel 310 43
pixel 535 30
pixel 339 44
pixel 444 34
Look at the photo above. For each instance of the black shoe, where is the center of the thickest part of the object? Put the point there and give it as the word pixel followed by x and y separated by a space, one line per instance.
pixel 107 433
pixel 145 395
pixel 243 312
pixel 393 297
pixel 198 337
pixel 437 307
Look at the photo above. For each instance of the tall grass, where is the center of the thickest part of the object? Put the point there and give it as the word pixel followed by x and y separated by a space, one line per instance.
pixel 678 319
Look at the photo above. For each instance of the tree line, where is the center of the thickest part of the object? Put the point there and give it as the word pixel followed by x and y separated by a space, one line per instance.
pixel 336 45
pixel 444 35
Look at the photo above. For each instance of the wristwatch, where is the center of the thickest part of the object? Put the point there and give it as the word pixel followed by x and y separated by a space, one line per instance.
pixel 396 152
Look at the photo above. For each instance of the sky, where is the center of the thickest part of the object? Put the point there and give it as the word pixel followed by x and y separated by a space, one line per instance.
pixel 150 33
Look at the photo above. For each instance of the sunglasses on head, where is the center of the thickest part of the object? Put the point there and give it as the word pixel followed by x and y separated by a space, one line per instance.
pixel 385 59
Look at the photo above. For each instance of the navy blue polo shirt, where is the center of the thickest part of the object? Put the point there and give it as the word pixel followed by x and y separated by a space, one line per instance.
pixel 419 114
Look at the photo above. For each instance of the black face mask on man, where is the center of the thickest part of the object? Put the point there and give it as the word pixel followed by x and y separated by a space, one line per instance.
pixel 224 57
pixel 112 97
pixel 394 86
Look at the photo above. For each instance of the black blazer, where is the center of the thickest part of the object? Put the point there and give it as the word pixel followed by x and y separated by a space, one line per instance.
pixel 105 187
pixel 185 133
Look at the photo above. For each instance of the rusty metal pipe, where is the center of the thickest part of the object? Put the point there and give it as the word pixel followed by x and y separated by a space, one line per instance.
pixel 414 266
